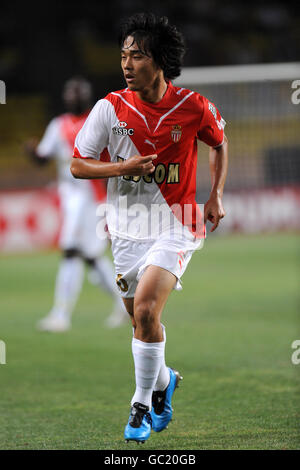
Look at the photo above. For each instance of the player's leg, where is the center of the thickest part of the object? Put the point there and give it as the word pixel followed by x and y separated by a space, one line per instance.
pixel 129 303
pixel 101 269
pixel 103 275
pixel 68 285
pixel 148 343
pixel 148 346
pixel 174 262
pixel 70 274
pixel 131 258
pixel 152 292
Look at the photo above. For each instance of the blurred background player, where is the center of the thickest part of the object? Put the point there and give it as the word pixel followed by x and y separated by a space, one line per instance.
pixel 79 199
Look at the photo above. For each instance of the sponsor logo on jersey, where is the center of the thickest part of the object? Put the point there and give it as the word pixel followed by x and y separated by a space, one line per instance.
pixel 163 173
pixel 121 129
pixel 176 133
pixel 122 124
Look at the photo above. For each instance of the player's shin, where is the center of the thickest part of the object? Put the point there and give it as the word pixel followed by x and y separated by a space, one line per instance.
pixel 103 275
pixel 163 378
pixel 69 281
pixel 68 286
pixel 148 358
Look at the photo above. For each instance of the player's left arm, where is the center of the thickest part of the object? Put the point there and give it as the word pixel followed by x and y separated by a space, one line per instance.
pixel 218 163
pixel 211 132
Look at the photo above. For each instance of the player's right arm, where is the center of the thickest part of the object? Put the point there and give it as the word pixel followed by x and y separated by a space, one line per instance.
pixel 30 149
pixel 89 168
pixel 93 138
pixel 41 152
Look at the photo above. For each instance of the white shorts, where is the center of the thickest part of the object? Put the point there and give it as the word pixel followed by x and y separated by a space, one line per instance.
pixel 79 223
pixel 131 258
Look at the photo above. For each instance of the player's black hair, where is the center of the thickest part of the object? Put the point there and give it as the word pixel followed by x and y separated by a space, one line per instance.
pixel 156 37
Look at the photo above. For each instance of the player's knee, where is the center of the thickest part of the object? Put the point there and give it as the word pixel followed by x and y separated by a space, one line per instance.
pixel 71 252
pixel 91 262
pixel 145 315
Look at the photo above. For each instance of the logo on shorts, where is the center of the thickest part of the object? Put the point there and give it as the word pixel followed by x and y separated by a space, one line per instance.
pixel 121 129
pixel 121 283
pixel 176 133
pixel 181 255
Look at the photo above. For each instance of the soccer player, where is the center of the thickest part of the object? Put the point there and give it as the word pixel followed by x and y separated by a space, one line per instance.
pixel 150 130
pixel 78 240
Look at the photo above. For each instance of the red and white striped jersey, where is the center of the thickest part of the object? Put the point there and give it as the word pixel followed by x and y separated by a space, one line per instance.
pixel 58 143
pixel 127 126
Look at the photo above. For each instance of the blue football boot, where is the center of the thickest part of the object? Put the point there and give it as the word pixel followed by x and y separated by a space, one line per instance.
pixel 162 411
pixel 138 427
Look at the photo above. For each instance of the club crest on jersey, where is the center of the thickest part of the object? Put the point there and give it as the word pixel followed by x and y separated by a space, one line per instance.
pixel 121 129
pixel 176 133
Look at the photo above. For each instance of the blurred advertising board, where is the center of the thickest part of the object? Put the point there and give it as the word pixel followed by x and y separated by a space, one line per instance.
pixel 30 220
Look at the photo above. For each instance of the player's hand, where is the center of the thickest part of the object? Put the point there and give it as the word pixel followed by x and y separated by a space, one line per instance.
pixel 214 211
pixel 139 165
pixel 30 150
pixel 30 146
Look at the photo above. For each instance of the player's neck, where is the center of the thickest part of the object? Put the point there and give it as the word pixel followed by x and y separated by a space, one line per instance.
pixel 155 93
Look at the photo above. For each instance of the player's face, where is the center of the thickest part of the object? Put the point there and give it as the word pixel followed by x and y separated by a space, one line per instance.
pixel 140 70
pixel 75 99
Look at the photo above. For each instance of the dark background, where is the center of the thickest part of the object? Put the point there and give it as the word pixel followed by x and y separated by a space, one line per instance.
pixel 42 46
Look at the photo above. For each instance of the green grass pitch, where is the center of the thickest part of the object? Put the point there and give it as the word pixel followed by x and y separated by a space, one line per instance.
pixel 229 333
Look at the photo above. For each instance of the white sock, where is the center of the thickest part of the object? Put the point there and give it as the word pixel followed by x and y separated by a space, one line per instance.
pixel 147 361
pixel 68 285
pixel 163 378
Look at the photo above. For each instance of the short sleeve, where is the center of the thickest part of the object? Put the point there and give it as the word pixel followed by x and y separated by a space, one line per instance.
pixel 48 145
pixel 93 137
pixel 211 129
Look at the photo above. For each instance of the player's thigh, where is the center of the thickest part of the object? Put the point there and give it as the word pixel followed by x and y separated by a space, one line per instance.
pixel 71 211
pixel 92 245
pixel 153 290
